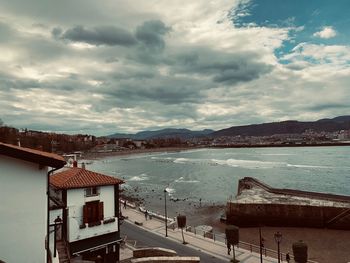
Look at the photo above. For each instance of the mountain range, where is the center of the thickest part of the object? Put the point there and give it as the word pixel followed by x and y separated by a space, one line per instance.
pixel 164 133
pixel 264 129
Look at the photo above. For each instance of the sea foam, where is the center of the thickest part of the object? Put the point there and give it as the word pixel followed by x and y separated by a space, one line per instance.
pixel 141 177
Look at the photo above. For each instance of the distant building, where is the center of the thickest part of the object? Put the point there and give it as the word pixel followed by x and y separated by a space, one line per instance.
pixel 23 194
pixel 139 143
pixel 88 203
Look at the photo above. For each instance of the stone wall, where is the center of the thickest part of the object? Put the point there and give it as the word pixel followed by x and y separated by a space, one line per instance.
pixel 288 214
pixel 241 214
pixel 166 260
pixel 153 252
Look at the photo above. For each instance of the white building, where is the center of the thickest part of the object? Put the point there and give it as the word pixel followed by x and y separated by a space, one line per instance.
pixel 23 211
pixel 90 212
pixel 139 143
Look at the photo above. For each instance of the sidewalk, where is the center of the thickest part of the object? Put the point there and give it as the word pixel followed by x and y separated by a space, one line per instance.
pixel 215 248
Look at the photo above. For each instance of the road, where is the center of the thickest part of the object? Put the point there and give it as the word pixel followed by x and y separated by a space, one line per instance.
pixel 146 238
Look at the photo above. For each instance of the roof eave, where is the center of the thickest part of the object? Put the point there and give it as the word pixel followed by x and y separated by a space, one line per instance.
pixel 83 186
pixel 31 157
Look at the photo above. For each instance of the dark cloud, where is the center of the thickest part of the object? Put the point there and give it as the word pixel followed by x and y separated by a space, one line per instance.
pixel 226 68
pixel 6 32
pixel 177 95
pixel 164 90
pixel 111 60
pixel 56 32
pixel 328 106
pixel 8 82
pixel 151 34
pixel 102 35
pixel 232 74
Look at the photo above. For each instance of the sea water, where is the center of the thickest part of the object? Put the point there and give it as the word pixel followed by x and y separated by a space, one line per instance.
pixel 210 176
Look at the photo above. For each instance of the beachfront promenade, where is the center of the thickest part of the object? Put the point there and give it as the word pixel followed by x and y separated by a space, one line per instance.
pixel 215 248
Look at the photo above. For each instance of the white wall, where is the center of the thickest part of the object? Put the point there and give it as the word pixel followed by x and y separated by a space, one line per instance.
pixel 75 202
pixel 22 211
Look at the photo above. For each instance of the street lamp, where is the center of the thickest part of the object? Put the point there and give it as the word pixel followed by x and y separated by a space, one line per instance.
pixel 57 221
pixel 261 244
pixel 278 239
pixel 166 214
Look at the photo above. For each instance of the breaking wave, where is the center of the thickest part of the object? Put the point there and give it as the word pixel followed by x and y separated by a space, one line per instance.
pixel 308 166
pixel 141 177
pixel 170 191
pixel 248 164
pixel 251 164
pixel 182 180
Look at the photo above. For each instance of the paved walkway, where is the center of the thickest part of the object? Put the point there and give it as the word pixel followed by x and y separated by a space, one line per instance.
pixel 218 249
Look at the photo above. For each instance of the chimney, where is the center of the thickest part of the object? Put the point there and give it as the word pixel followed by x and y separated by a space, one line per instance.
pixel 83 166
pixel 75 163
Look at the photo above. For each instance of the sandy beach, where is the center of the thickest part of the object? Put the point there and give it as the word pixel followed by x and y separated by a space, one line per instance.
pixel 99 155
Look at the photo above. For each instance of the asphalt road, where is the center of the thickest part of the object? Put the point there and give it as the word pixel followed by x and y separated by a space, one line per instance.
pixel 145 238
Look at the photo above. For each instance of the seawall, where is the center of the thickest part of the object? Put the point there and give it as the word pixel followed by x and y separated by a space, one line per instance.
pixel 286 207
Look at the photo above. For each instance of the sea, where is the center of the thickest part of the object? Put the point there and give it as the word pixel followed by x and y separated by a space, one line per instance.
pixel 209 176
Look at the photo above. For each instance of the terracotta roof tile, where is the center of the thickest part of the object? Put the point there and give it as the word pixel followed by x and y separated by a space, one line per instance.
pixel 78 177
pixel 31 155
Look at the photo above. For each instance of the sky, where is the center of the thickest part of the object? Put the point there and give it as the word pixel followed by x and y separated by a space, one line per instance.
pixel 101 67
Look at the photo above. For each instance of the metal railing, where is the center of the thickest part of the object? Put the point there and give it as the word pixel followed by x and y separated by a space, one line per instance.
pixel 221 238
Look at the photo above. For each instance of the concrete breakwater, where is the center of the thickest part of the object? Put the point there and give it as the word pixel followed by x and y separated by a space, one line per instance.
pixel 259 204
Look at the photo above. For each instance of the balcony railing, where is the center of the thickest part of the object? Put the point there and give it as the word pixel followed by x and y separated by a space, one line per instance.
pixel 78 231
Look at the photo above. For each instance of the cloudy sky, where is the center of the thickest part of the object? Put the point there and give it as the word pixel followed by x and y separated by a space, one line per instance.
pixel 99 67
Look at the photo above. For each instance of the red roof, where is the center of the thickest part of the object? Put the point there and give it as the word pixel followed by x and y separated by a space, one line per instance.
pixel 31 155
pixel 78 178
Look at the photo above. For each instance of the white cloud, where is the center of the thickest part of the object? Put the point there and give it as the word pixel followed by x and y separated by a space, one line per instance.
pixel 210 73
pixel 326 32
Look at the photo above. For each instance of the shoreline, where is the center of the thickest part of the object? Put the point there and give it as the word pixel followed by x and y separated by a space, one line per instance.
pixel 100 155
pixel 328 144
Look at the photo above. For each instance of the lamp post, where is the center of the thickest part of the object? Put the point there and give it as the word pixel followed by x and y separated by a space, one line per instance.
pixel 278 239
pixel 261 259
pixel 57 221
pixel 166 214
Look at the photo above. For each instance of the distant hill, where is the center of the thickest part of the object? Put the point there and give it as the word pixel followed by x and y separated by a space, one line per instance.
pixel 263 129
pixel 286 127
pixel 164 133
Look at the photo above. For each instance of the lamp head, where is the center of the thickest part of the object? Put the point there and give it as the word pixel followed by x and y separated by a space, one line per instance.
pixel 278 237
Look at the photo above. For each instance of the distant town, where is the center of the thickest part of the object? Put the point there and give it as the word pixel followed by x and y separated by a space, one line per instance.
pixel 326 132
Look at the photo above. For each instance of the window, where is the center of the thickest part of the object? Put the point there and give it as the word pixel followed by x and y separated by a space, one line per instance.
pixel 91 191
pixel 93 213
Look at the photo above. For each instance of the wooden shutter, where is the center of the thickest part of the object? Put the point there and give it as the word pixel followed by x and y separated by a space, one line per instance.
pixel 85 214
pixel 100 210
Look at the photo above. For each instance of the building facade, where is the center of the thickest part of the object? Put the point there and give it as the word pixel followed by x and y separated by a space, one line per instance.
pixel 88 204
pixel 23 194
